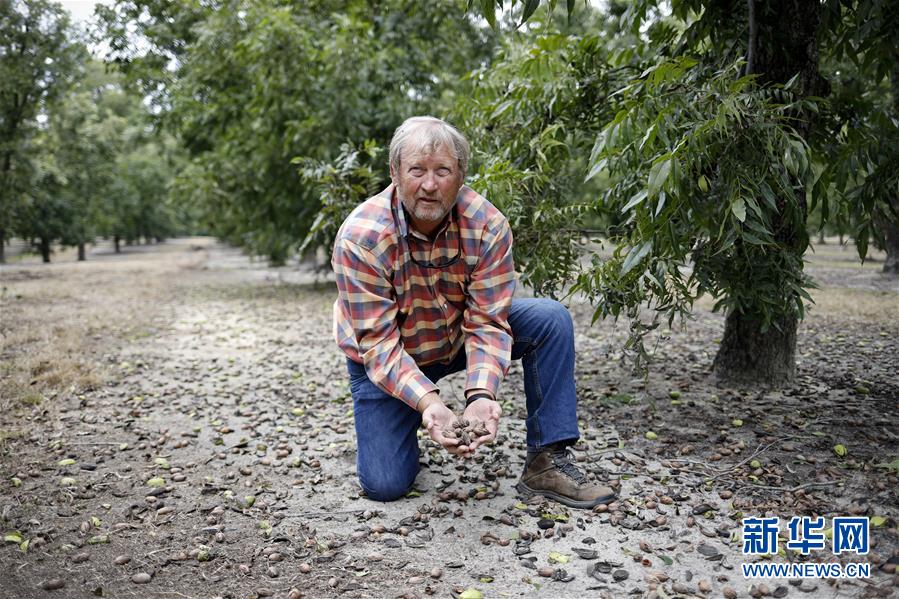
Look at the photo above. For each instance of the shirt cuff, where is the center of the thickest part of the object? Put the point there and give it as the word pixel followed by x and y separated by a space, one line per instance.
pixel 413 387
pixel 482 379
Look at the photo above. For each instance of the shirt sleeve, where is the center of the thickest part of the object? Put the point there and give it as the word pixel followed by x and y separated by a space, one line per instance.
pixel 368 300
pixel 488 336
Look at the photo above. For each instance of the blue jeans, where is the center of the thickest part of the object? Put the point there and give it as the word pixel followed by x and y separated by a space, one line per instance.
pixel 543 338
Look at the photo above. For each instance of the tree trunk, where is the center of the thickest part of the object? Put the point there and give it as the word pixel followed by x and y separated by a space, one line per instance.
pixel 81 253
pixel 2 246
pixel 749 356
pixel 45 248
pixel 116 240
pixel 890 246
pixel 787 45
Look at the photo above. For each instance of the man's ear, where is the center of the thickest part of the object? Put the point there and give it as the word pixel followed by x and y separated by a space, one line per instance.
pixel 393 176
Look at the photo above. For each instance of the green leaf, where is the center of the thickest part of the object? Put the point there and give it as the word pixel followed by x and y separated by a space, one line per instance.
pixel 558 558
pixel 636 199
pixel 651 435
pixel 66 462
pixel 471 593
pixel 894 466
pixel 840 450
pixel 156 482
pixel 635 256
pixel 503 107
pixel 703 183
pixel 12 537
pixel 529 7
pixel 489 12
pixel 878 521
pixel 739 209
pixel 658 175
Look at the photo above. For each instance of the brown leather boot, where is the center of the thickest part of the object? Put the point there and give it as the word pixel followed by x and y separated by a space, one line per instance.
pixel 550 473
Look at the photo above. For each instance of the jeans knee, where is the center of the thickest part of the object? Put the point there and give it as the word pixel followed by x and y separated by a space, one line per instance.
pixel 386 488
pixel 557 316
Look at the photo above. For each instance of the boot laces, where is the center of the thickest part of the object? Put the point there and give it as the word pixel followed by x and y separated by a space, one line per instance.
pixel 562 461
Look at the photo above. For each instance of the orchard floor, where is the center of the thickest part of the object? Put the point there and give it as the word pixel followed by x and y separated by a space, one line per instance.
pixel 190 366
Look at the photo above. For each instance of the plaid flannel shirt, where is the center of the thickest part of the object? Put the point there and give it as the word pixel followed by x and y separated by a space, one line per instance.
pixel 394 315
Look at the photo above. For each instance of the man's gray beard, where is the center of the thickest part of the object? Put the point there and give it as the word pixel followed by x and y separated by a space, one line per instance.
pixel 429 214
pixel 424 212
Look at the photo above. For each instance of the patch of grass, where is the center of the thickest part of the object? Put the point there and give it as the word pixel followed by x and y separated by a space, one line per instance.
pixel 31 399
pixel 618 399
pixel 8 434
pixel 60 318
pixel 882 306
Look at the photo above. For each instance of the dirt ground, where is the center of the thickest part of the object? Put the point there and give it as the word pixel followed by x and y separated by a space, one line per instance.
pixel 176 422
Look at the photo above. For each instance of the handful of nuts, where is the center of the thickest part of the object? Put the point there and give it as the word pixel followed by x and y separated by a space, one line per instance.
pixel 466 431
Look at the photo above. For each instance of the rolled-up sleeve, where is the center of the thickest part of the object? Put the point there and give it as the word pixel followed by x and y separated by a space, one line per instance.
pixel 488 336
pixel 368 303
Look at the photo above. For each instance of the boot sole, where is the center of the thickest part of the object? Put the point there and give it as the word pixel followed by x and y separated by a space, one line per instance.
pixel 528 492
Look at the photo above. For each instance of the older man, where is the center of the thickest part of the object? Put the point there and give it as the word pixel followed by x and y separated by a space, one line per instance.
pixel 425 280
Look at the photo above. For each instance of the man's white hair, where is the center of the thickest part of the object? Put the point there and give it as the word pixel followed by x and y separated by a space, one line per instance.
pixel 426 134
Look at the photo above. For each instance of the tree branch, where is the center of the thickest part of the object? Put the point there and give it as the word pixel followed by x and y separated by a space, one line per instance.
pixel 753 38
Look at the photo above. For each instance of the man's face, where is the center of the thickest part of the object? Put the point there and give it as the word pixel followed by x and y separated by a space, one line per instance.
pixel 427 185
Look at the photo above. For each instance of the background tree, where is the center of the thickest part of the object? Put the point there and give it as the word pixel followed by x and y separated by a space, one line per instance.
pixel 256 85
pixel 707 159
pixel 43 215
pixel 858 143
pixel 37 55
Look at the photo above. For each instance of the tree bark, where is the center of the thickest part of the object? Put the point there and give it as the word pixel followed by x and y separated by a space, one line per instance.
pixel 45 248
pixel 891 246
pixel 749 356
pixel 787 45
pixel 116 241
pixel 2 246
pixel 81 253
